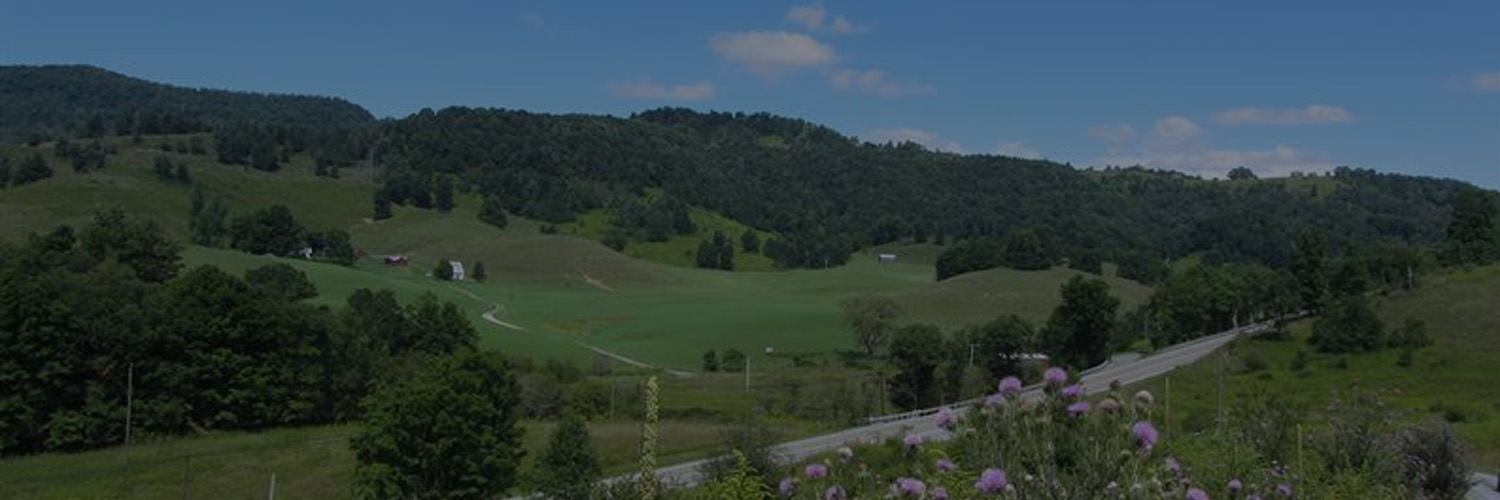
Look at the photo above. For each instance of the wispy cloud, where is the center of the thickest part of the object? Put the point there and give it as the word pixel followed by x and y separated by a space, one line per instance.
pixel 1316 113
pixel 1118 132
pixel 771 54
pixel 1486 82
pixel 874 82
pixel 1017 150
pixel 647 89
pixel 926 139
pixel 532 19
pixel 1278 161
pixel 1177 127
pixel 811 17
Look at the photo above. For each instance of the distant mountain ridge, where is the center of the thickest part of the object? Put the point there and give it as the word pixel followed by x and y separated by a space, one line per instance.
pixel 60 100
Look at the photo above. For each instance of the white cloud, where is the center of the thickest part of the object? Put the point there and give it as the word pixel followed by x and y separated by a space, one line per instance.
pixel 1117 132
pixel 810 17
pixel 844 26
pixel 532 19
pixel 874 81
pixel 1486 82
pixel 927 139
pixel 1177 127
pixel 1316 113
pixel 647 89
pixel 1017 150
pixel 770 54
pixel 1278 161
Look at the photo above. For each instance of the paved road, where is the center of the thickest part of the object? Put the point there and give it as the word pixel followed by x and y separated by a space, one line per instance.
pixel 1484 488
pixel 924 423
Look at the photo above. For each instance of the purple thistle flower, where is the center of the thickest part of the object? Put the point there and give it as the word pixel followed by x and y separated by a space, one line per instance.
pixel 1172 465
pixel 1145 434
pixel 787 487
pixel 816 471
pixel 1144 398
pixel 945 464
pixel 992 401
pixel 1235 485
pixel 835 492
pixel 992 481
pixel 1073 391
pixel 1010 387
pixel 913 441
pixel 1078 409
pixel 1055 377
pixel 1196 494
pixel 912 487
pixel 946 420
pixel 940 493
pixel 1284 490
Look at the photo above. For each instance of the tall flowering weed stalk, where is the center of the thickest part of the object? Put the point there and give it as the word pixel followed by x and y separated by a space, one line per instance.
pixel 1053 447
pixel 648 483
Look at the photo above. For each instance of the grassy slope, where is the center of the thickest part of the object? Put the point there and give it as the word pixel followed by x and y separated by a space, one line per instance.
pixel 1457 373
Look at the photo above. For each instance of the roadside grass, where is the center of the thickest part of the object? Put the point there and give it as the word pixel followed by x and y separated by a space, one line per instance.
pixel 1453 380
pixel 313 463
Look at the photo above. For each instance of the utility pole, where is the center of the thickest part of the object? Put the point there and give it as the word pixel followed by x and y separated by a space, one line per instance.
pixel 129 399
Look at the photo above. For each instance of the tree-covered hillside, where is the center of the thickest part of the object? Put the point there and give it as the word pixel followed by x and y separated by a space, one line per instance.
pixel 827 193
pixel 63 101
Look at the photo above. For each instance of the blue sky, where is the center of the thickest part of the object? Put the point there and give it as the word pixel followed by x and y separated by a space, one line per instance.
pixel 1195 86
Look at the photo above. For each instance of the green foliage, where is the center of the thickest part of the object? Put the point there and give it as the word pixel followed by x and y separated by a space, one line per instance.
pixel 1212 298
pixel 1028 250
pixel 443 194
pixel 492 211
pixel 4 171
pixel 968 256
pixel 1411 335
pixel 1348 325
pixel 1473 235
pixel 733 361
pixel 1079 331
pixel 871 318
pixel 1001 343
pixel 653 218
pixel 915 351
pixel 1242 174
pixel 478 273
pixel 710 361
pixel 449 432
pixel 717 253
pixel 1434 462
pixel 282 281
pixel 382 206
pixel 33 168
pixel 333 246
pixel 742 483
pixel 568 469
pixel 749 241
pixel 57 100
pixel 615 240
pixel 269 231
pixel 443 269
pixel 208 220
pixel 1309 268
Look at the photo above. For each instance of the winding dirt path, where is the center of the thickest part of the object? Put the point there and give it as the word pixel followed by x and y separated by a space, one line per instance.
pixel 490 317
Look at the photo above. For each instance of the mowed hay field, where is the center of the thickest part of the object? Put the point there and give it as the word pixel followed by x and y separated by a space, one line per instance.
pixel 1455 379
pixel 563 290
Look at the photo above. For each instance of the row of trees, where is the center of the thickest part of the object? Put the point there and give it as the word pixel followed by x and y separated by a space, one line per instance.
pixel 90 316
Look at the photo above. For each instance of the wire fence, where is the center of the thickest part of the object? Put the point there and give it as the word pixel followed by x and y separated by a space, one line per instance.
pixel 316 468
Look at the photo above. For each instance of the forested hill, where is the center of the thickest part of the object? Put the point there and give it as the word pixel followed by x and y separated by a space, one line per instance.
pixel 58 100
pixel 826 193
pixel 822 194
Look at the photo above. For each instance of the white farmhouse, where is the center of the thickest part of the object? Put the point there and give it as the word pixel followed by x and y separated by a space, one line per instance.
pixel 458 270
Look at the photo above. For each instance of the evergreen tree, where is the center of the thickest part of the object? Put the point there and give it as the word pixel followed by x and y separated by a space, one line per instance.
pixel 4 171
pixel 382 205
pixel 568 469
pixel 750 242
pixel 208 222
pixel 163 169
pixel 450 432
pixel 182 173
pixel 492 212
pixel 443 270
pixel 733 361
pixel 1312 280
pixel 478 273
pixel 710 361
